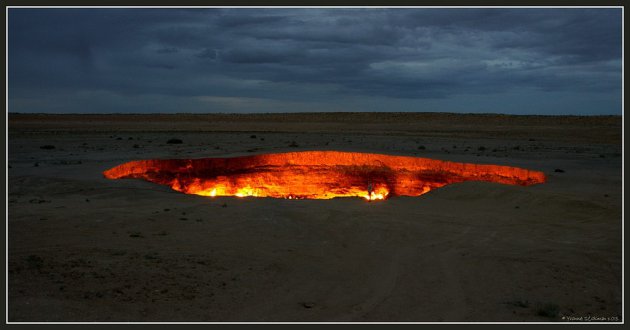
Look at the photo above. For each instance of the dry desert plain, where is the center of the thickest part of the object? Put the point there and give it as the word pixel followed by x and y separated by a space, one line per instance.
pixel 84 248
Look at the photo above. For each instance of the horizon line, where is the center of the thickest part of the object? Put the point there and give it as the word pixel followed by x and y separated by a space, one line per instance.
pixel 311 113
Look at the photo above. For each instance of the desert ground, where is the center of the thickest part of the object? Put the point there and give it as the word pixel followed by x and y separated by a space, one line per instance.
pixel 84 248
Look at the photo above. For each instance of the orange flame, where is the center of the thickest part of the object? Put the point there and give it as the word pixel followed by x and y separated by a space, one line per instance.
pixel 317 175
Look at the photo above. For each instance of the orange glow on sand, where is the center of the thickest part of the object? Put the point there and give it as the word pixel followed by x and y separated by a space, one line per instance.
pixel 317 175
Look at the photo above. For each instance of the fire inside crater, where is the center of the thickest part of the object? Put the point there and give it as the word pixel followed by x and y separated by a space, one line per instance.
pixel 317 175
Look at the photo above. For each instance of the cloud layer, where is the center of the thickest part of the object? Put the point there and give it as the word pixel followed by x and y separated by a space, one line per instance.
pixel 262 60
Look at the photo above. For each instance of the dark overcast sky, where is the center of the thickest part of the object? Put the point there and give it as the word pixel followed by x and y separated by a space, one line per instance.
pixel 522 61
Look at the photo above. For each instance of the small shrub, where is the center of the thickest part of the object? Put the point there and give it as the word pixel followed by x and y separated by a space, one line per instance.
pixel 308 304
pixel 549 310
pixel 174 141
pixel 34 261
pixel 482 148
pixel 559 170
pixel 47 147
pixel 293 144
pixel 519 303
pixel 421 147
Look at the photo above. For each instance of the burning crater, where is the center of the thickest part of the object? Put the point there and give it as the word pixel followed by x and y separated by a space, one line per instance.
pixel 317 175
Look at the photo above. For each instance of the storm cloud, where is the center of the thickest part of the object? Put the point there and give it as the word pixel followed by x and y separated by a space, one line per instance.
pixel 526 60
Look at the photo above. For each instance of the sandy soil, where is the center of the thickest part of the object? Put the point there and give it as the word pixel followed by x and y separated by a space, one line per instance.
pixel 83 248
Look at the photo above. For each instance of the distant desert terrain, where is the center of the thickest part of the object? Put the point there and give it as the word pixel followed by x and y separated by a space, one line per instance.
pixel 85 248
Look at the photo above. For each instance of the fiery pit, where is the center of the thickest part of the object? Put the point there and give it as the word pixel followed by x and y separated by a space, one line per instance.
pixel 317 175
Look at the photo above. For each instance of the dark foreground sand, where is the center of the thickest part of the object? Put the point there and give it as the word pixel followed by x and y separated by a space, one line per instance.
pixel 83 248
